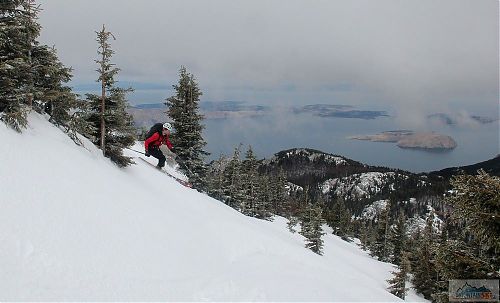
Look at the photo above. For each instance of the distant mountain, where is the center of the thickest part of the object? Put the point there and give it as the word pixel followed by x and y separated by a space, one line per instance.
pixel 150 105
pixel 230 106
pixel 146 115
pixel 339 111
pixel 361 185
pixel 491 166
pixel 459 118
pixel 309 167
pixel 209 106
pixel 358 184
pixel 304 166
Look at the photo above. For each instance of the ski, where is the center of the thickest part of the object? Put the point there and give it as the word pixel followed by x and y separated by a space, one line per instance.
pixel 185 183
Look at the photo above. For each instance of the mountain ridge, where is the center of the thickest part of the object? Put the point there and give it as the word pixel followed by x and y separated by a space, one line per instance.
pixel 491 166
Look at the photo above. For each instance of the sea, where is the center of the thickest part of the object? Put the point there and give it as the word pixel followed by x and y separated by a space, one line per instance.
pixel 269 134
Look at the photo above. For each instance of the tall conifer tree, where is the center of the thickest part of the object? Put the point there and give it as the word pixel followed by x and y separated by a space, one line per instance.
pixel 114 129
pixel 31 74
pixel 264 209
pixel 398 239
pixel 19 31
pixel 251 187
pixel 311 221
pixel 424 273
pixel 380 247
pixel 232 181
pixel 338 218
pixel 50 76
pixel 476 204
pixel 215 180
pixel 183 109
pixel 278 196
pixel 397 285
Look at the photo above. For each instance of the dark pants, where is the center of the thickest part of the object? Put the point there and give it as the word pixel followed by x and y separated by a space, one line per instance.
pixel 156 152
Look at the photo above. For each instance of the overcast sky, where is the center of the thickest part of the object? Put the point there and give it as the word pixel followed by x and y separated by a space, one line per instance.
pixel 413 56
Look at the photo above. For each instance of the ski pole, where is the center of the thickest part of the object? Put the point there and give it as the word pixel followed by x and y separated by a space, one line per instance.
pixel 178 160
pixel 135 150
pixel 181 162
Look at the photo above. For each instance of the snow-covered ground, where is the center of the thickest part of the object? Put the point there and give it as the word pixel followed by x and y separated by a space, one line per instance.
pixel 420 222
pixel 373 210
pixel 358 186
pixel 73 226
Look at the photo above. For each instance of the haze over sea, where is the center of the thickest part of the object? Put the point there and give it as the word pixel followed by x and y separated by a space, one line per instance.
pixel 283 130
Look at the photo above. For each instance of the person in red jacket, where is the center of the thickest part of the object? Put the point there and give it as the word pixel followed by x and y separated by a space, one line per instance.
pixel 153 143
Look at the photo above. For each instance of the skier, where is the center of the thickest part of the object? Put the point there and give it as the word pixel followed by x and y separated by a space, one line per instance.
pixel 157 136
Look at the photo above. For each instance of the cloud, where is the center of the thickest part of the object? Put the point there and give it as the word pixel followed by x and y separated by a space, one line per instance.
pixel 413 56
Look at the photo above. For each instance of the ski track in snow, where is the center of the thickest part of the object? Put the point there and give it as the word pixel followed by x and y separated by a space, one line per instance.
pixel 73 226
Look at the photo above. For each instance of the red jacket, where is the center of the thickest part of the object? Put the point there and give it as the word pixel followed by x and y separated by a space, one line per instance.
pixel 156 140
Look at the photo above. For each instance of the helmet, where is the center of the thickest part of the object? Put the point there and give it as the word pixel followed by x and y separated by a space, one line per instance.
pixel 167 126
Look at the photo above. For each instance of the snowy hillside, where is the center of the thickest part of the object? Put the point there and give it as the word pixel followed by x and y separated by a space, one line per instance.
pixel 73 226
pixel 419 222
pixel 311 155
pixel 358 186
pixel 372 211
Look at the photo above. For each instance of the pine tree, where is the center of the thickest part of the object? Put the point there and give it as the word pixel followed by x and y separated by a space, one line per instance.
pixel 397 285
pixel 292 222
pixel 114 129
pixel 52 95
pixel 369 234
pixel 380 247
pixel 424 271
pixel 398 239
pixel 297 208
pixel 338 218
pixel 80 123
pixel 251 189
pixel 18 34
pixel 215 180
pixel 311 221
pixel 278 196
pixel 232 181
pixel 264 209
pixel 470 253
pixel 183 109
pixel 363 236
pixel 476 204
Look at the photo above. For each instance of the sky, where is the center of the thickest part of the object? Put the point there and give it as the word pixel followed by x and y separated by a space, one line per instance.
pixel 409 57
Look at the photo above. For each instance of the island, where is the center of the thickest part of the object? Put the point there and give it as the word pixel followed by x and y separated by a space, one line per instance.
pixel 339 111
pixel 412 139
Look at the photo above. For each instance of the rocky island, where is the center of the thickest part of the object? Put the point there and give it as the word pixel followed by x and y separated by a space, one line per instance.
pixel 411 139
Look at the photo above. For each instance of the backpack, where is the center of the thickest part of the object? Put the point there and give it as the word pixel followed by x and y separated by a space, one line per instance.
pixel 157 128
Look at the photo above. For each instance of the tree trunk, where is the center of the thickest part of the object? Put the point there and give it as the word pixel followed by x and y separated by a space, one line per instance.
pixel 103 98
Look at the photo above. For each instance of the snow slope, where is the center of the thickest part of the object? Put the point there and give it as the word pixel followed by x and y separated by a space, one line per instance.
pixel 73 226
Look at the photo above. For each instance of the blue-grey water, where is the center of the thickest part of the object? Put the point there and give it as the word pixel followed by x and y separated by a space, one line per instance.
pixel 270 134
